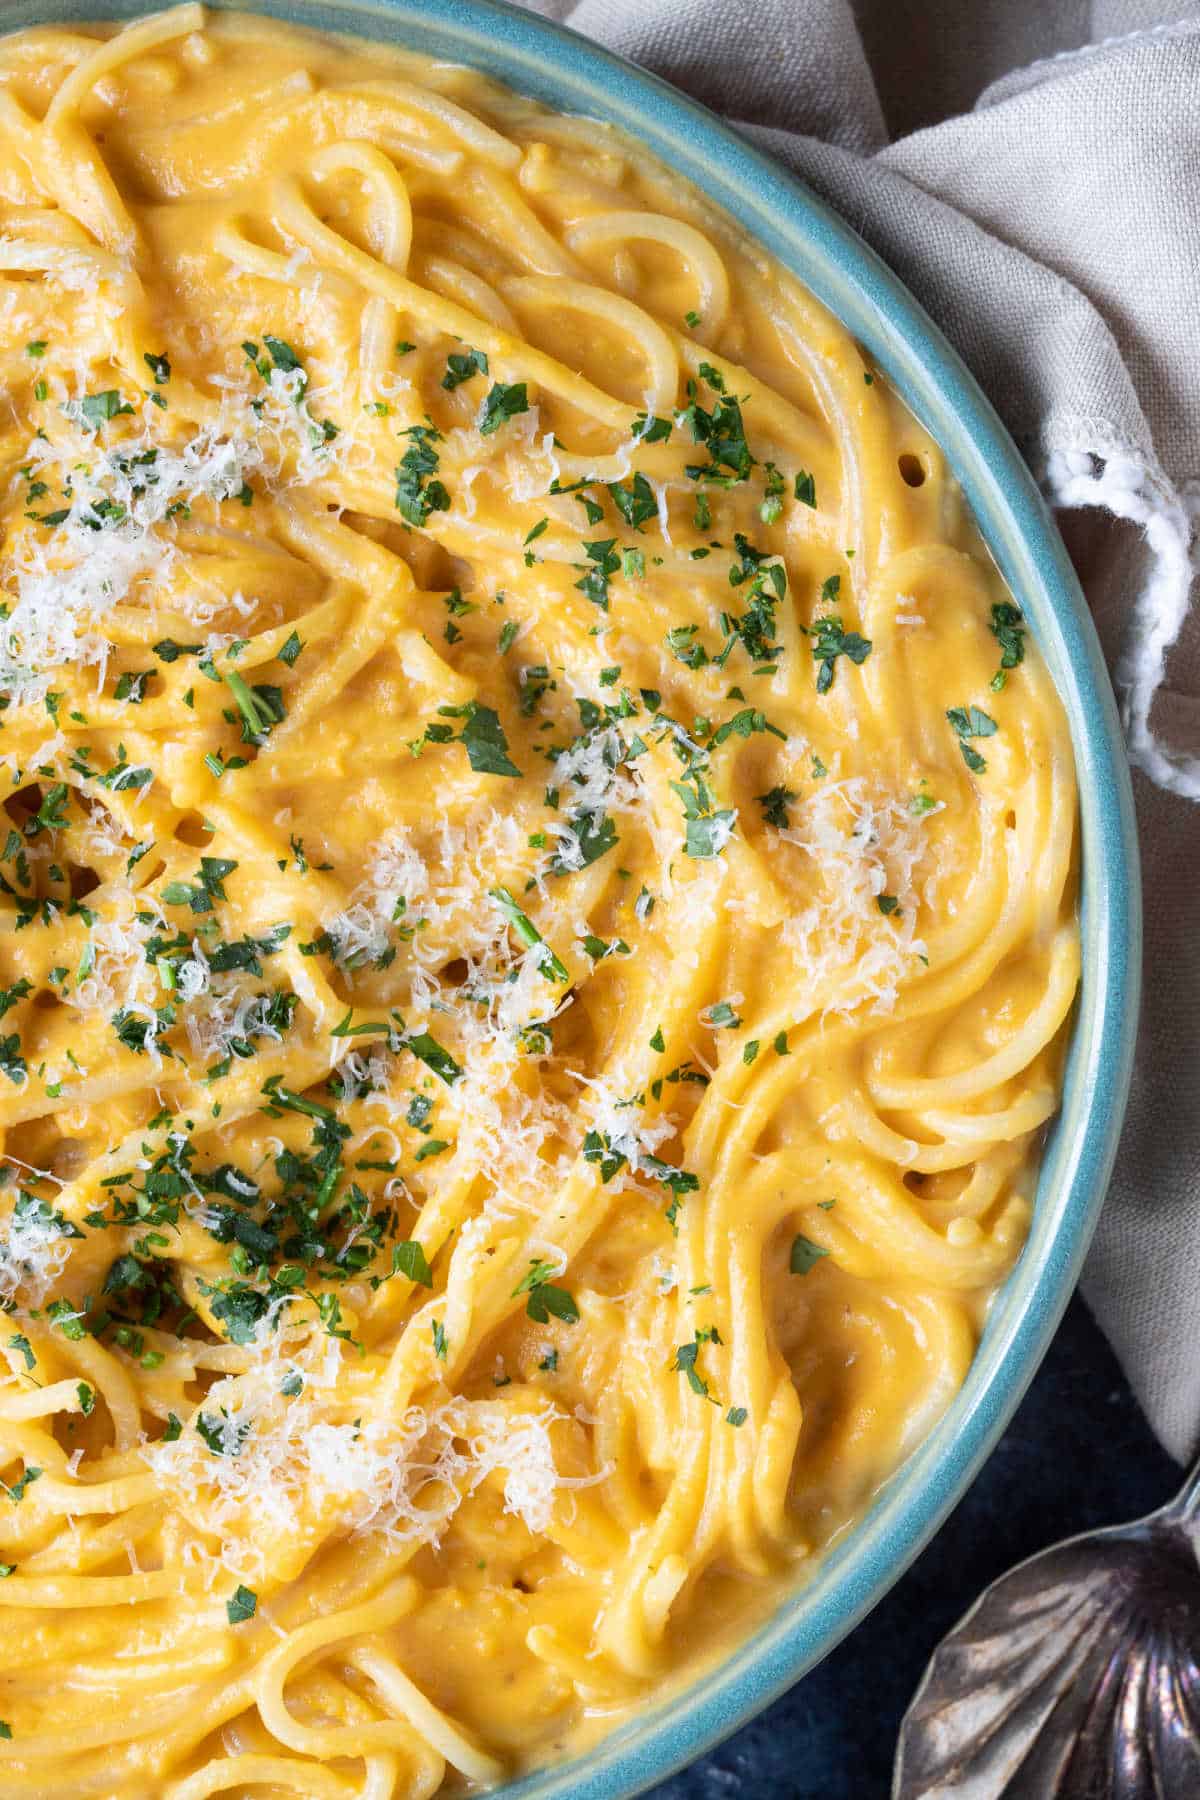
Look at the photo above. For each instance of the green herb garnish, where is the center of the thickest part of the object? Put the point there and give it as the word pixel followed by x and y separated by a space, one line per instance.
pixel 971 722
pixel 504 401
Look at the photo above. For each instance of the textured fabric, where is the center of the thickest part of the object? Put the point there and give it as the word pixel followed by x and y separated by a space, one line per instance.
pixel 1030 172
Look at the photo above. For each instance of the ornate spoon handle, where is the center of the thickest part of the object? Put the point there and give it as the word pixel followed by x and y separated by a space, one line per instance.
pixel 1185 1507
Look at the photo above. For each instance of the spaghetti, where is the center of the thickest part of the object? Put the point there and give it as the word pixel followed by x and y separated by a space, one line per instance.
pixel 536 922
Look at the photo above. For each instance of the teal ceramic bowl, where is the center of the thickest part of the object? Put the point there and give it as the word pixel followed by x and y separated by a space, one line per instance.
pixel 572 75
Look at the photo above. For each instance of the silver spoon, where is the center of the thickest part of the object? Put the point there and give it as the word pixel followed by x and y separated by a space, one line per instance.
pixel 1076 1676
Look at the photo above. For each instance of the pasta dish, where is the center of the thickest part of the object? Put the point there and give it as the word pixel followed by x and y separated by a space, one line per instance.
pixel 537 922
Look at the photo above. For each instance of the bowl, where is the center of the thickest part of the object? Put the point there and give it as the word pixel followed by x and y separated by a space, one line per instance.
pixel 572 75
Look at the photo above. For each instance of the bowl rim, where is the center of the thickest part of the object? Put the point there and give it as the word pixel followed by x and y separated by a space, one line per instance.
pixel 572 74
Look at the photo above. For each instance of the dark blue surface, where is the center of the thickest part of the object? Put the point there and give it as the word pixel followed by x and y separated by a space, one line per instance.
pixel 1077 1454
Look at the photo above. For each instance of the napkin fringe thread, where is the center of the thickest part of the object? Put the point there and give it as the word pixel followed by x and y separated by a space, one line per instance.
pixel 1125 483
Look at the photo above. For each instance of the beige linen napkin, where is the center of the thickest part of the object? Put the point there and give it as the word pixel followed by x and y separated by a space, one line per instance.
pixel 1032 172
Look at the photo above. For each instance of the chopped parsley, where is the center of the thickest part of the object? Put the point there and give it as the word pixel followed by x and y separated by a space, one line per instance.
pixel 545 1300
pixel 971 722
pixel 242 1605
pixel 683 641
pixel 722 432
pixel 830 639
pixel 10 996
pixel 767 586
pixel 772 503
pixel 122 774
pixel 408 1258
pixel 95 410
pixel 687 1358
pixel 805 1255
pixel 634 500
pixel 775 803
pixel 708 828
pixel 50 815
pixel 484 741
pixel 131 685
pixel 527 931
pixel 435 1056
pixel 504 401
pixel 168 651
pixel 19 1489
pixel 647 429
pixel 417 493
pixel 208 886
pixel 1008 628
pixel 603 556
pixel 261 707
pixel 461 366
pixel 12 1062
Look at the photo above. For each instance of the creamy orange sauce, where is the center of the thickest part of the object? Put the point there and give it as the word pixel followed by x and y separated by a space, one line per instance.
pixel 537 924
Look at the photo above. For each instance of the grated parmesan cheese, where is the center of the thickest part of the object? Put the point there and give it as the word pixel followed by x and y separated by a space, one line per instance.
pixel 34 1249
pixel 863 842
pixel 266 1465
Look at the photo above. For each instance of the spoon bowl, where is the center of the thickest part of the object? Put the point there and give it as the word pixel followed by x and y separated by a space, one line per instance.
pixel 1076 1676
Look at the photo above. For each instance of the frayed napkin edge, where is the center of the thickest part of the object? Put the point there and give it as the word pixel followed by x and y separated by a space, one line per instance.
pixel 1085 465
